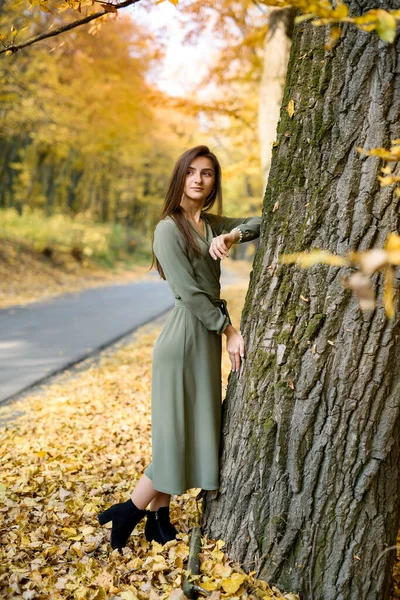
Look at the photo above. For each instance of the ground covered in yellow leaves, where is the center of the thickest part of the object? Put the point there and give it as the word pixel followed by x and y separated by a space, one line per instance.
pixel 73 450
pixel 27 276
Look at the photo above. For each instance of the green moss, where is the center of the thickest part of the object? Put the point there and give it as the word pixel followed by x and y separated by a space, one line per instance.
pixel 291 316
pixel 269 423
pixel 263 362
pixel 314 325
pixel 284 337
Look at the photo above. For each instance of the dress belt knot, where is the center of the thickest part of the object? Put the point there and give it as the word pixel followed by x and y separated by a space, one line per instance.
pixel 219 302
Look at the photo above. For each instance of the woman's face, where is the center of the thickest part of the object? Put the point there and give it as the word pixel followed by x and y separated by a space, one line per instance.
pixel 200 179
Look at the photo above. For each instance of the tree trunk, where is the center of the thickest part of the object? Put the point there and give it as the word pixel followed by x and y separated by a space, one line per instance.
pixel 309 490
pixel 9 152
pixel 75 177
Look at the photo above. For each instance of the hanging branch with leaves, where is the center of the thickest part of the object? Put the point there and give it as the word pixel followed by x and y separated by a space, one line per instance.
pixel 10 47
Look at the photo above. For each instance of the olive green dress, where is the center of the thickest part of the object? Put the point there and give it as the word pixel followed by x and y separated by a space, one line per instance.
pixel 186 390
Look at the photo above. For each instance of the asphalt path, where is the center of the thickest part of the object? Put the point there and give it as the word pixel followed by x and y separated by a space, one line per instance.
pixel 41 339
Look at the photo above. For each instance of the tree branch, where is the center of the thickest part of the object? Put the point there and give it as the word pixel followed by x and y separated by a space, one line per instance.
pixel 42 36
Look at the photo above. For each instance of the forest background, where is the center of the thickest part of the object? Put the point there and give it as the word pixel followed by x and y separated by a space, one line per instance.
pixel 91 122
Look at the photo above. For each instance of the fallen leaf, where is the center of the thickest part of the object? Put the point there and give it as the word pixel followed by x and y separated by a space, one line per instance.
pixel 290 108
pixel 232 584
pixel 177 595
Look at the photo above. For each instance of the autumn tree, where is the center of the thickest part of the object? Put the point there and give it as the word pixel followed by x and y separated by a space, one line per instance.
pixel 82 130
pixel 309 496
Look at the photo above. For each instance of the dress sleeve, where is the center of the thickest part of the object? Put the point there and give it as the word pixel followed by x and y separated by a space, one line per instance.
pixel 249 226
pixel 170 251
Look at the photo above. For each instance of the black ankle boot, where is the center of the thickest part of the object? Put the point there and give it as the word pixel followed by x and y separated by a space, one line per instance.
pixel 158 526
pixel 124 516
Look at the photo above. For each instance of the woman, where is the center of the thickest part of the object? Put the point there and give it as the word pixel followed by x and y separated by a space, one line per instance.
pixel 186 395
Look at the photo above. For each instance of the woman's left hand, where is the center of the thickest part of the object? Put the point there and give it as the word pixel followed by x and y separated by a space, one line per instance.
pixel 221 244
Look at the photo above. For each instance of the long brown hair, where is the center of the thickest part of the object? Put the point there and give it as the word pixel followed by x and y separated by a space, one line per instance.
pixel 173 199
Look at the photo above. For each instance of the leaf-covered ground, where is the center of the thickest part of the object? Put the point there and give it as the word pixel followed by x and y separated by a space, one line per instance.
pixel 73 450
pixel 27 276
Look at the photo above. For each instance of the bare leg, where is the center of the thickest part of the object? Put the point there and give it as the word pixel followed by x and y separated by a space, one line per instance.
pixel 161 499
pixel 144 492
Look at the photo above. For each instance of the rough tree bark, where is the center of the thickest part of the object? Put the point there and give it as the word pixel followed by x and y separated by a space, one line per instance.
pixel 309 490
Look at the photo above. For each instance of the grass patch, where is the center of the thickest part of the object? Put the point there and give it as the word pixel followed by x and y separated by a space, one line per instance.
pixel 79 237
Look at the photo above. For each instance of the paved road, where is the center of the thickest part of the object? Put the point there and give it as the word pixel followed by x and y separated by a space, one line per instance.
pixel 44 338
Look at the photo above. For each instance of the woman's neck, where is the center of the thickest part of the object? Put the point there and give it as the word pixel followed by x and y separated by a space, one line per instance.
pixel 192 213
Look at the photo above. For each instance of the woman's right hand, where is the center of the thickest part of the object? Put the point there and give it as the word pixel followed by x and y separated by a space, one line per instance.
pixel 234 346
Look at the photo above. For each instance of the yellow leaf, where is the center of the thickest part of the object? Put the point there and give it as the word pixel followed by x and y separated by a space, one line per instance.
pixel 69 531
pixel 306 17
pixel 290 108
pixel 210 585
pixel 87 530
pixel 233 583
pixel 221 570
pixel 386 26
pixel 388 294
pixel 89 547
pixel 336 32
pixel 392 242
pixel 308 259
pixel 390 155
pixel 128 595
pixel 341 11
pixel 388 180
